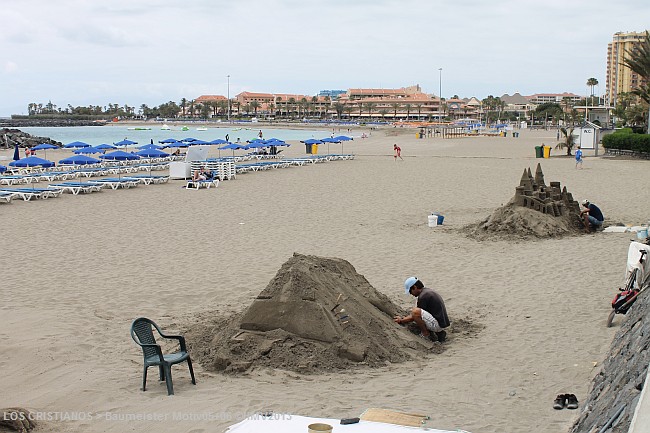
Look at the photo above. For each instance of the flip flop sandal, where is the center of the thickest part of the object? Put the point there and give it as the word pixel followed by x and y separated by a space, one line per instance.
pixel 572 401
pixel 559 401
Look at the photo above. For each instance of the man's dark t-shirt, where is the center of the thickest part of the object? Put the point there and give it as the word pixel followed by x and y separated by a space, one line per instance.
pixel 433 303
pixel 595 212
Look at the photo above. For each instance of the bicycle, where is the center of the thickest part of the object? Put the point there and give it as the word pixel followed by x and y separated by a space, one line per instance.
pixel 634 286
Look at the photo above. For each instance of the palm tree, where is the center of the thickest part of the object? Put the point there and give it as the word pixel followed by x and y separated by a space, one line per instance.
pixel 395 106
pixel 370 106
pixel 290 106
pixel 183 104
pixel 638 60
pixel 383 112
pixel 408 110
pixel 255 105
pixel 592 82
pixel 569 140
pixel 419 107
pixel 348 109
pixel 339 107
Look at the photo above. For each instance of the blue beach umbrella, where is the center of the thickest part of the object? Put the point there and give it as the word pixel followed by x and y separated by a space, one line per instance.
pixel 119 155
pixel 309 142
pixel 32 161
pixel 3 168
pixel 152 153
pixel 105 146
pixel 88 151
pixel 44 146
pixel 76 145
pixel 329 140
pixel 79 160
pixel 198 142
pixel 150 146
pixel 233 147
pixel 343 138
pixel 188 140
pixel 125 142
pixel 168 141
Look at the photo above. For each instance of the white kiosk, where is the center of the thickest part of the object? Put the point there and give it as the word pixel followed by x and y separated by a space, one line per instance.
pixel 183 169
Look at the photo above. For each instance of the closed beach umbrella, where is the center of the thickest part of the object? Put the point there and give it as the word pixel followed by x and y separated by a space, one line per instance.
pixel 16 153
pixel 32 161
pixel 44 146
pixel 76 145
pixel 79 160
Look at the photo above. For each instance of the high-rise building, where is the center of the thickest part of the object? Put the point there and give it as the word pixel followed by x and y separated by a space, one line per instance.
pixel 620 78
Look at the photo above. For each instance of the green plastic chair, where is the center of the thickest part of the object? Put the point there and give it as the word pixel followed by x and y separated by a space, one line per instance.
pixel 142 334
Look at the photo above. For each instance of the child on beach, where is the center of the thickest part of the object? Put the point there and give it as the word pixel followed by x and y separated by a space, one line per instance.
pixel 579 157
pixel 398 152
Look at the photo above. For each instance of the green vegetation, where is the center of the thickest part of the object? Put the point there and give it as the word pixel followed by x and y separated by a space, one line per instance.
pixel 625 139
pixel 638 61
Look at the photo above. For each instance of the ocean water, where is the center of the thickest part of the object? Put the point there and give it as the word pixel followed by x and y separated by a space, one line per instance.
pixel 95 135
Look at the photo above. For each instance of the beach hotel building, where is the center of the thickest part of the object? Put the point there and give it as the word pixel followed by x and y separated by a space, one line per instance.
pixel 406 103
pixel 620 78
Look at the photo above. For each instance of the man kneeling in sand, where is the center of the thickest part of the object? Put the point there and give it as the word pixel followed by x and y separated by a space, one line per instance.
pixel 591 215
pixel 430 314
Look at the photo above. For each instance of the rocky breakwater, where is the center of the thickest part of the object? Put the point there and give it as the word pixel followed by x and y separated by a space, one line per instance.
pixel 26 122
pixel 616 389
pixel 11 137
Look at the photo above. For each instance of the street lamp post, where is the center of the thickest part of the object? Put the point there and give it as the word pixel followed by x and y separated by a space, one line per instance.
pixel 440 93
pixel 228 76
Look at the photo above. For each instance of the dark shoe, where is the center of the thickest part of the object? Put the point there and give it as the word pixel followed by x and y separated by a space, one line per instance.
pixel 442 336
pixel 572 401
pixel 559 402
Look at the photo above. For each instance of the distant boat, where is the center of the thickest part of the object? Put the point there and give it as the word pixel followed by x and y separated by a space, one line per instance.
pixel 165 127
pixel 185 128
pixel 201 129
pixel 138 129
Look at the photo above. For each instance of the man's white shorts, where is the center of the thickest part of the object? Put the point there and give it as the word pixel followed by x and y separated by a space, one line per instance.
pixel 430 321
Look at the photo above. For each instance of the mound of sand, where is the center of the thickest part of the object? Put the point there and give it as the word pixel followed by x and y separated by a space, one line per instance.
pixel 316 314
pixel 536 211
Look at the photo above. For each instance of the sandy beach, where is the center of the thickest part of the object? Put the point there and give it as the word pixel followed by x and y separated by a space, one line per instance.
pixel 77 270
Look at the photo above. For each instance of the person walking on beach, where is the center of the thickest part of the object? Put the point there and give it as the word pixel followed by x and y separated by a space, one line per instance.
pixel 260 135
pixel 579 158
pixel 429 314
pixel 397 152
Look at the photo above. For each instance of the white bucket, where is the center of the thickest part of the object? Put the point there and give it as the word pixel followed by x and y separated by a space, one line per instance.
pixel 642 234
pixel 432 220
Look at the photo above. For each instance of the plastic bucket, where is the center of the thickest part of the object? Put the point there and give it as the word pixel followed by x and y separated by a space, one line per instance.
pixel 435 219
pixel 319 428
pixel 642 234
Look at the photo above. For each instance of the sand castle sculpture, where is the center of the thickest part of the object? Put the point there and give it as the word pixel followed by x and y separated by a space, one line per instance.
pixel 316 314
pixel 535 211
pixel 533 193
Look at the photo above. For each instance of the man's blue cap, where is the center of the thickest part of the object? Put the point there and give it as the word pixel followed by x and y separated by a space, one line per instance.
pixel 409 283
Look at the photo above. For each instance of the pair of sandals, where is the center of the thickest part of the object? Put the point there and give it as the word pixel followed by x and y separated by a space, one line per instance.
pixel 569 401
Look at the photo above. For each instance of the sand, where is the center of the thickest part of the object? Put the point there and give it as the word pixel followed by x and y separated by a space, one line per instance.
pixel 78 269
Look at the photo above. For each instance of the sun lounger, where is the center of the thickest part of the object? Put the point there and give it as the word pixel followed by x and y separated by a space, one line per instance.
pixel 29 193
pixel 115 183
pixel 198 184
pixel 151 178
pixel 6 197
pixel 14 179
pixel 77 187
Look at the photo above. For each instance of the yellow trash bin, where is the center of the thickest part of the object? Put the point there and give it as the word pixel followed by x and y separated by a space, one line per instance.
pixel 547 151
pixel 314 149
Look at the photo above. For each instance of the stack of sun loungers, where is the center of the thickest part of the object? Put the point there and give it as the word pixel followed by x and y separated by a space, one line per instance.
pixel 222 168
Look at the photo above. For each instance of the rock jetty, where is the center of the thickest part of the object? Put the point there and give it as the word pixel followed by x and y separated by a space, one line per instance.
pixel 11 137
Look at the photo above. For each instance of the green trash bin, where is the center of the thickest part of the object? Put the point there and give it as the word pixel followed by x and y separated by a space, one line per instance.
pixel 539 151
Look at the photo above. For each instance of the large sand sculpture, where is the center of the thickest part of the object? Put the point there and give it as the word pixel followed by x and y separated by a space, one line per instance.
pixel 535 211
pixel 316 314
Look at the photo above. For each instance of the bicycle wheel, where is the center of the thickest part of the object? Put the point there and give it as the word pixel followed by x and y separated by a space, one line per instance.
pixel 610 318
pixel 631 279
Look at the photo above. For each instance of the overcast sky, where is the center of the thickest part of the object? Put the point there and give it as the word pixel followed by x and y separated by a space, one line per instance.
pixel 88 52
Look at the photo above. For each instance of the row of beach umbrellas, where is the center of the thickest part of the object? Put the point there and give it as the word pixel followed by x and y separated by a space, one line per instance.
pixel 150 150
